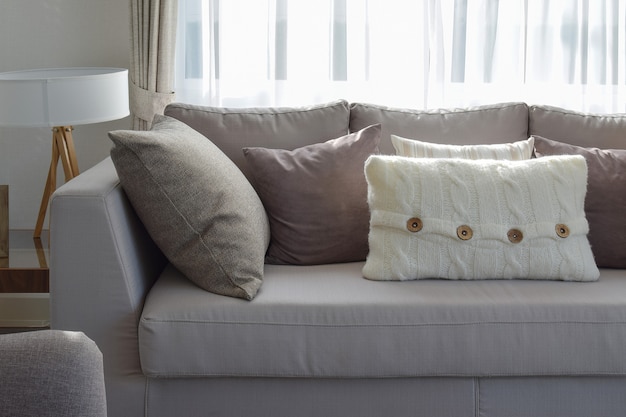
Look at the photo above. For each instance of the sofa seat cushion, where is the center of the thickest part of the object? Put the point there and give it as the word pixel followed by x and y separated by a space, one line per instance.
pixel 328 321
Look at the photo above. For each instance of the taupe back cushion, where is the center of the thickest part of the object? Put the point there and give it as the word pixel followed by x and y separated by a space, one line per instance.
pixel 498 123
pixel 605 131
pixel 233 129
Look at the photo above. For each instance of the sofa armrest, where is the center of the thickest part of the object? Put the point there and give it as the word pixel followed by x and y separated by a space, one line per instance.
pixel 102 265
pixel 51 373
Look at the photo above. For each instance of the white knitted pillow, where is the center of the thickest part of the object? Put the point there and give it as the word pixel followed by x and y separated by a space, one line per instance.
pixel 478 219
pixel 519 150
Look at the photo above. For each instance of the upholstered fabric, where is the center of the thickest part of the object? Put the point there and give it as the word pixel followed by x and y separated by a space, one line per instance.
pixel 581 129
pixel 232 129
pixel 562 396
pixel 197 206
pixel 515 151
pixel 123 263
pixel 316 198
pixel 51 373
pixel 315 397
pixel 605 204
pixel 478 219
pixel 497 123
pixel 328 321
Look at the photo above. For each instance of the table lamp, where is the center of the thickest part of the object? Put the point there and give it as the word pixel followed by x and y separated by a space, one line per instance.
pixel 61 98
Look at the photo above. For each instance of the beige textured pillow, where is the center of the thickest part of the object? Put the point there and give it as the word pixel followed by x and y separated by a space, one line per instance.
pixel 316 198
pixel 515 151
pixel 196 204
pixel 478 219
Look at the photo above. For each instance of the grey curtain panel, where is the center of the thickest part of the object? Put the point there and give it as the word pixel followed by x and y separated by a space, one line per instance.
pixel 153 32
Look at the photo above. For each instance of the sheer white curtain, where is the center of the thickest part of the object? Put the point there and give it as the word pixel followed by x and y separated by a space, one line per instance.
pixel 408 53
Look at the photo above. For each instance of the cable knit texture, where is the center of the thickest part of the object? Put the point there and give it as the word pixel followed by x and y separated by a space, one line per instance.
pixel 478 219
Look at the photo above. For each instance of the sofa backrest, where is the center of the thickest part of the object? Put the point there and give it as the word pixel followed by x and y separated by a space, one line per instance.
pixel 606 131
pixel 232 129
pixel 498 123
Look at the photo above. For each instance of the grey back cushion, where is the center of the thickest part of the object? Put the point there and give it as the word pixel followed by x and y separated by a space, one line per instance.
pixel 498 123
pixel 233 129
pixel 606 131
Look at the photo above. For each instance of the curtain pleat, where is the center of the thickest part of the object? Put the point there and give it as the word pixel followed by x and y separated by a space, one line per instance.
pixel 404 53
pixel 153 31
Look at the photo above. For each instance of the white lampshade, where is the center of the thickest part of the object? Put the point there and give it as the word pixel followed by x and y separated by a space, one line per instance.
pixel 63 96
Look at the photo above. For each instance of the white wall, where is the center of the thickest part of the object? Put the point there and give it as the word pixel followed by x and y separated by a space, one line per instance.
pixel 54 34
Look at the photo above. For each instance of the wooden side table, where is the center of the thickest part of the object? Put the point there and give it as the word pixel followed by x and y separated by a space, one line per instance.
pixel 25 270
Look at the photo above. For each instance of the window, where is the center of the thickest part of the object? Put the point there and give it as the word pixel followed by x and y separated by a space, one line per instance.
pixel 406 53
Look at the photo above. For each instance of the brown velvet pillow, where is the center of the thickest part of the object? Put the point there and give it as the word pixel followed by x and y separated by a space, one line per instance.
pixel 605 204
pixel 316 198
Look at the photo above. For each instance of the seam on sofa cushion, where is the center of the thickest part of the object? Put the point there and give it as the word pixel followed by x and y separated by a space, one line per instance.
pixel 476 383
pixel 573 112
pixel 460 110
pixel 383 325
pixel 261 110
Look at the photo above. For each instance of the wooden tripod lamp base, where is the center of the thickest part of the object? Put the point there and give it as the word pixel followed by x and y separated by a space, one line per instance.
pixel 62 98
pixel 63 149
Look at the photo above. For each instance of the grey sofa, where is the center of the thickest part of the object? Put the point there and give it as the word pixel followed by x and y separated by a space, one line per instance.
pixel 320 340
pixel 51 373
